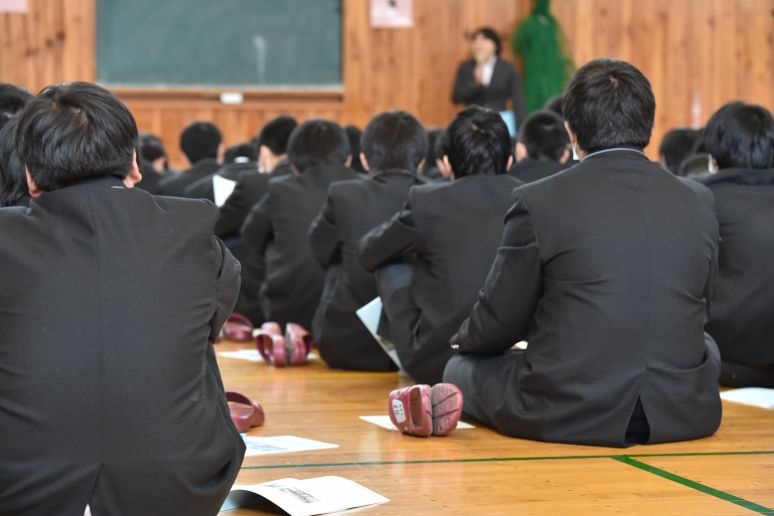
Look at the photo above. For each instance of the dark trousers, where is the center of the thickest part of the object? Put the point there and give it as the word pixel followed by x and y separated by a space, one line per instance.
pixel 742 375
pixel 399 311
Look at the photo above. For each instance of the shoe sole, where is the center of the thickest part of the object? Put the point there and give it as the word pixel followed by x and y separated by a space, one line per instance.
pixel 446 402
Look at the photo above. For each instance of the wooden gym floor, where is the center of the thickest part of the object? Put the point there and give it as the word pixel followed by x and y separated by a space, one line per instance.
pixel 480 472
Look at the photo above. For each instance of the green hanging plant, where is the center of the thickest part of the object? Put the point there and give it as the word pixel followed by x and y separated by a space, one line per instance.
pixel 540 42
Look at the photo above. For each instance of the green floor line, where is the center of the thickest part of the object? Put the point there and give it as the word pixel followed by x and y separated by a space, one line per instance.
pixel 502 459
pixel 728 497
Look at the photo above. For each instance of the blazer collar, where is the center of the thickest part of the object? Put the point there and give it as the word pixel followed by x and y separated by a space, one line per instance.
pixel 742 176
pixel 621 150
pixel 386 175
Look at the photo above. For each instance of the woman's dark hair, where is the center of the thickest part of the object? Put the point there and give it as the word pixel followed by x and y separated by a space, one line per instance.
pixel 13 180
pixel 490 34
pixel 609 103
pixel 741 135
pixel 394 140
pixel 318 142
pixel 477 142
pixel 75 131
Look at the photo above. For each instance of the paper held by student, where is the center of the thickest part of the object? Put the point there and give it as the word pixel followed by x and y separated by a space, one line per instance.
pixel 222 189
pixel 321 495
pixel 370 315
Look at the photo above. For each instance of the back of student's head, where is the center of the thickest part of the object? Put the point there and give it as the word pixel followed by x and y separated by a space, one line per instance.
pixel 394 140
pixel 200 140
pixel 13 181
pixel 676 145
pixel 477 142
pixel 354 134
pixel 75 131
pixel 151 147
pixel 318 142
pixel 241 153
pixel 741 135
pixel 433 149
pixel 276 133
pixel 609 103
pixel 543 136
pixel 555 104
pixel 12 99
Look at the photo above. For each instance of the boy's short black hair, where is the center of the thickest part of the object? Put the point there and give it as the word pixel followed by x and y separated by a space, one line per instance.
pixel 741 135
pixel 318 142
pixel 694 165
pixel 676 145
pixel 477 142
pixel 70 132
pixel 394 140
pixel 490 34
pixel 354 134
pixel 200 140
pixel 13 180
pixel 555 104
pixel 276 133
pixel 609 103
pixel 544 135
pixel 12 100
pixel 246 151
pixel 151 147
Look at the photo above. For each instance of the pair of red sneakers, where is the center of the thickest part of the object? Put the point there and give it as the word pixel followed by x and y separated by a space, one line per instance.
pixel 423 410
pixel 276 348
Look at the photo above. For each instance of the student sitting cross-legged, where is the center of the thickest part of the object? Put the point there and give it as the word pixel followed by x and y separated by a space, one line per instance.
pixel 740 138
pixel 275 231
pixel 394 145
pixel 111 299
pixel 605 270
pixel 449 232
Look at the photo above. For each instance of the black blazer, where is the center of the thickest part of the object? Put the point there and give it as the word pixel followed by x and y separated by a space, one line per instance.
pixel 529 170
pixel 605 270
pixel 203 189
pixel 505 84
pixel 351 209
pixel 175 185
pixel 742 315
pixel 454 229
pixel 111 299
pixel 150 178
pixel 276 231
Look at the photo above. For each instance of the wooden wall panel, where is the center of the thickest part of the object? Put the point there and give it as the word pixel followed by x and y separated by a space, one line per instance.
pixel 703 52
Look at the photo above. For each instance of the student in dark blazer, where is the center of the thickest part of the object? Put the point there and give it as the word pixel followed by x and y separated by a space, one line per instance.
pixel 605 270
pixel 237 160
pixel 201 143
pixel 542 148
pixel 740 138
pixel 450 231
pixel 276 229
pixel 111 301
pixel 152 158
pixel 394 145
pixel 486 80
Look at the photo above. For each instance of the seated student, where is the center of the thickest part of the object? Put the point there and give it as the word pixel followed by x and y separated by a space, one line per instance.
pixel 451 231
pixel 394 144
pixel 238 159
pixel 604 269
pixel 13 181
pixel 740 138
pixel 676 145
pixel 110 303
pixel 201 143
pixel 275 231
pixel 432 169
pixel 273 145
pixel 542 148
pixel 152 159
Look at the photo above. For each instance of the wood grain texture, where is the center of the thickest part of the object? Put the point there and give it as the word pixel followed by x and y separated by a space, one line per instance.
pixel 479 471
pixel 703 52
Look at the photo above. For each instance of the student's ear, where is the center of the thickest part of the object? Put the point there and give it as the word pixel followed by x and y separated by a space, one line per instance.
pixel 510 163
pixel 221 152
pixel 134 176
pixel 364 162
pixel 32 186
pixel 521 152
pixel 574 141
pixel 264 158
pixel 421 165
pixel 565 157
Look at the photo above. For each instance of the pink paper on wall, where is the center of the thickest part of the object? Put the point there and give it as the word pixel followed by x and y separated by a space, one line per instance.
pixel 392 13
pixel 13 6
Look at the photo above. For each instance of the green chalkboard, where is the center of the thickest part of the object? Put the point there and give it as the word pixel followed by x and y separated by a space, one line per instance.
pixel 246 43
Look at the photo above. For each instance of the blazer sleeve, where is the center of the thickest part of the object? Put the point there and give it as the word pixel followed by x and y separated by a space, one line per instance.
pixel 323 235
pixel 226 286
pixel 465 86
pixel 390 241
pixel 256 231
pixel 510 296
pixel 232 213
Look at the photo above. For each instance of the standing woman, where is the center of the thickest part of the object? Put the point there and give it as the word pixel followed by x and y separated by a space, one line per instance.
pixel 486 80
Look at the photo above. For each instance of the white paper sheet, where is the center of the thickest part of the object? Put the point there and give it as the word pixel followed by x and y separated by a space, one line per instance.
pixel 221 189
pixel 754 396
pixel 370 314
pixel 252 355
pixel 384 422
pixel 308 497
pixel 282 444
